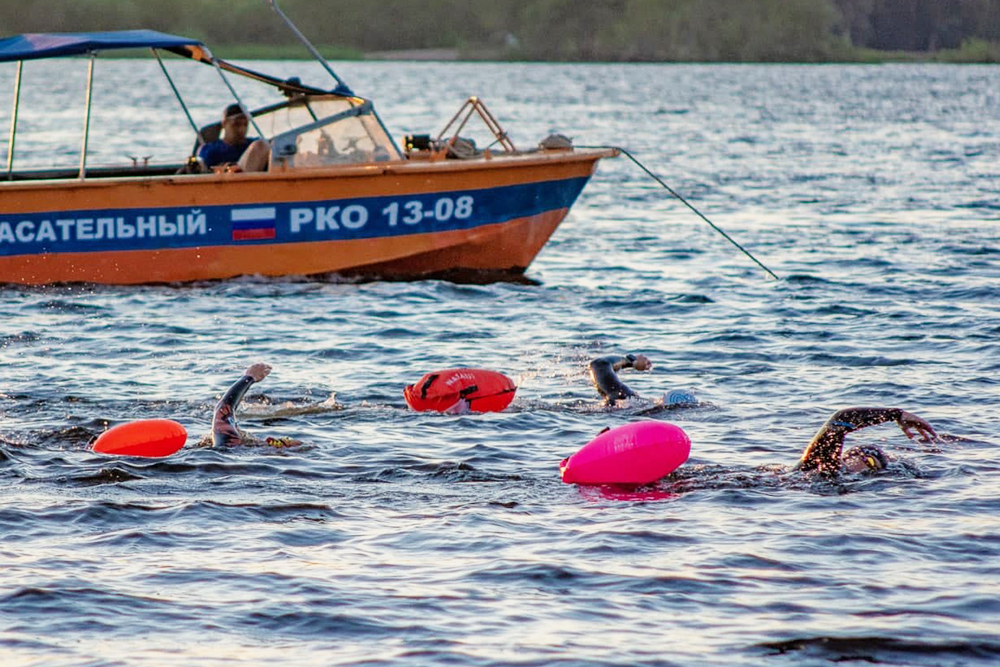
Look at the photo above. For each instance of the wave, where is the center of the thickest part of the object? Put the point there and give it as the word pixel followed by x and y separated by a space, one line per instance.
pixel 878 649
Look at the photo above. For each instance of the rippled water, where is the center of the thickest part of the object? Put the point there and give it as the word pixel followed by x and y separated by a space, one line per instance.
pixel 400 538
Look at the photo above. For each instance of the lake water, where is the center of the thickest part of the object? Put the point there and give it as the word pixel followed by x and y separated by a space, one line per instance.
pixel 402 538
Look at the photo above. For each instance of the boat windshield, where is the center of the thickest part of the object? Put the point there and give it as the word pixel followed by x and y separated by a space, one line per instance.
pixel 316 131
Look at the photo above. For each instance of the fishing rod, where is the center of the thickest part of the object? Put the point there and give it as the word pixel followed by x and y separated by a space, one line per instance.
pixel 688 204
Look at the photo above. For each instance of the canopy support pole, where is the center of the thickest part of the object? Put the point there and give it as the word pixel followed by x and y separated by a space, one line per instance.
pixel 177 95
pixel 86 118
pixel 246 111
pixel 13 120
pixel 302 38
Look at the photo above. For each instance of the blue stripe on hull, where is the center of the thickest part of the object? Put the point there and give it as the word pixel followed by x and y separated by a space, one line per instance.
pixel 343 219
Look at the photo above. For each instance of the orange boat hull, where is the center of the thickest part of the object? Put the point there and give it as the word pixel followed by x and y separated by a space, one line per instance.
pixel 392 219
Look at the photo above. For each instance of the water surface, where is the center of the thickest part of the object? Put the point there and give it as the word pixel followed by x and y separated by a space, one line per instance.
pixel 400 538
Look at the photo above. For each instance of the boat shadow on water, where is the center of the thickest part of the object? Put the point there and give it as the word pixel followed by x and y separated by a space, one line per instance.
pixel 458 276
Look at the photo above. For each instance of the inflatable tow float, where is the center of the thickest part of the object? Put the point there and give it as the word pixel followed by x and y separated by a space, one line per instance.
pixel 146 437
pixel 440 391
pixel 634 454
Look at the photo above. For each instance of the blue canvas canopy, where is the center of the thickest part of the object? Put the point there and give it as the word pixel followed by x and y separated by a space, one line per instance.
pixel 31 46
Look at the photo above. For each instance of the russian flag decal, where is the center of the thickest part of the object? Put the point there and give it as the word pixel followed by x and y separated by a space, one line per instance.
pixel 252 224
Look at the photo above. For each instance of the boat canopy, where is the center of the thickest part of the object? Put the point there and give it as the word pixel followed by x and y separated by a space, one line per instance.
pixel 33 46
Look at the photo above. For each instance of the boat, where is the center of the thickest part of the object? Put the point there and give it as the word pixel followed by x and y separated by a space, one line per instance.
pixel 338 196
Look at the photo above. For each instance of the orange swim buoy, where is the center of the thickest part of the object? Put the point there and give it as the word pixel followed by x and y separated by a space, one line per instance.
pixel 483 390
pixel 146 437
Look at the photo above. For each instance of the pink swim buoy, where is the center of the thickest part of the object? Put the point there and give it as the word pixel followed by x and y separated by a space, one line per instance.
pixel 638 453
pixel 146 437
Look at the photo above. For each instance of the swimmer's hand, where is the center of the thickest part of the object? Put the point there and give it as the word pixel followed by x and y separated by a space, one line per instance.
pixel 908 421
pixel 258 371
pixel 460 408
pixel 642 363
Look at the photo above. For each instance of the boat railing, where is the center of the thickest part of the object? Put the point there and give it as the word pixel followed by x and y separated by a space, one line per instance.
pixel 474 105
pixel 450 144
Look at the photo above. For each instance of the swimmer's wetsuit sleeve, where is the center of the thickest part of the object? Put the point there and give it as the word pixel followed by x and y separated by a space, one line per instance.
pixel 224 428
pixel 602 374
pixel 824 452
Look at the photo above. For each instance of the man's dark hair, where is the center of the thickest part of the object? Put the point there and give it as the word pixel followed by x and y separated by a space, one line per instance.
pixel 233 110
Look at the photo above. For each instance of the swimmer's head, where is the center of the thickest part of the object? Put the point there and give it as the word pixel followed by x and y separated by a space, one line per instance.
pixel 679 397
pixel 864 458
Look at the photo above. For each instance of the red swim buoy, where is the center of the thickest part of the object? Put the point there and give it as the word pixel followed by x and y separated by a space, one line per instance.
pixel 638 453
pixel 146 437
pixel 483 390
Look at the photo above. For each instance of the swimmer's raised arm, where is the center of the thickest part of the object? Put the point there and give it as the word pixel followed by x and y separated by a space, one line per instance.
pixel 824 452
pixel 604 378
pixel 225 431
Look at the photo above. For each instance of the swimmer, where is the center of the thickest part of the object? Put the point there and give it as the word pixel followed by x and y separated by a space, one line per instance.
pixel 605 379
pixel 225 431
pixel 824 454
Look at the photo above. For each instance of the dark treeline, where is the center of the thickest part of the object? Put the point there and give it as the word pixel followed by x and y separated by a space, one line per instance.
pixel 669 30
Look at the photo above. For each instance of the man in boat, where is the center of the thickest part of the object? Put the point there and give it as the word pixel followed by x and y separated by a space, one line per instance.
pixel 603 375
pixel 825 453
pixel 234 147
pixel 225 430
